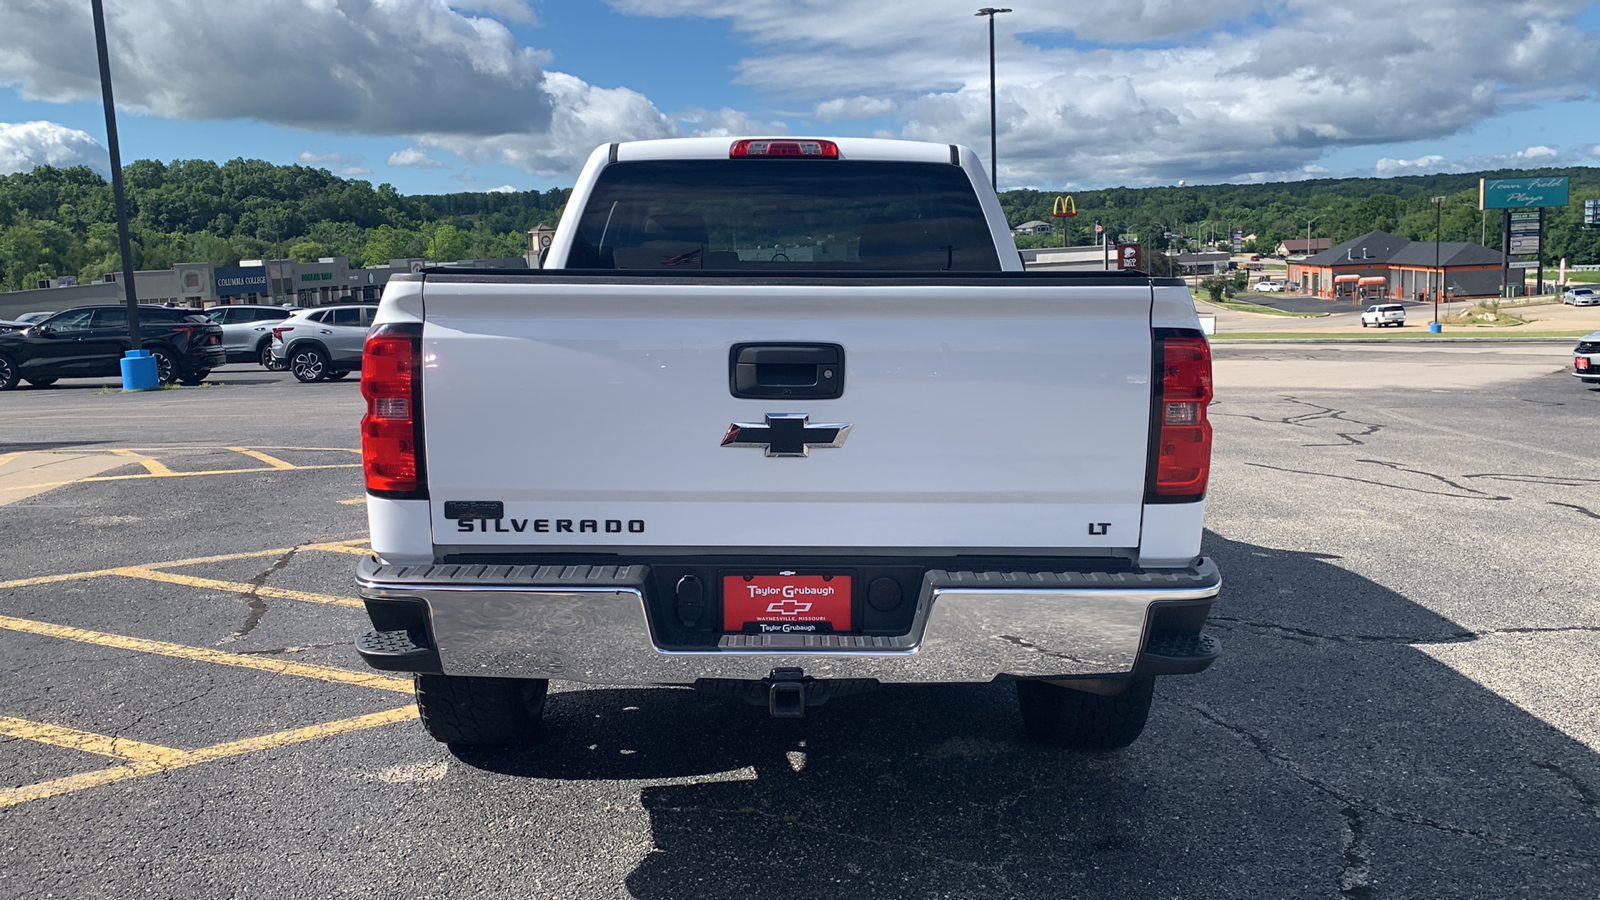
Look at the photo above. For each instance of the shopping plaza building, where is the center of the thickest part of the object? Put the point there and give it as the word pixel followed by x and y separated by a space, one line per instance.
pixel 275 281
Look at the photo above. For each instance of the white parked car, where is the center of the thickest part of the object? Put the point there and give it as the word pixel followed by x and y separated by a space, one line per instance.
pixel 1586 358
pixel 1581 296
pixel 1269 287
pixel 1381 314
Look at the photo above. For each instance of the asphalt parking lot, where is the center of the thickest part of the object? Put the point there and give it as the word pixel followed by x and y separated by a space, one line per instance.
pixel 1406 704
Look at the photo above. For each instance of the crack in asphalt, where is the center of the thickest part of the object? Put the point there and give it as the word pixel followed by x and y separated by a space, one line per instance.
pixel 1458 637
pixel 1552 480
pixel 1473 495
pixel 1582 510
pixel 1318 414
pixel 252 599
pixel 1400 467
pixel 1355 880
pixel 121 733
pixel 1354 803
pixel 1586 794
pixel 300 649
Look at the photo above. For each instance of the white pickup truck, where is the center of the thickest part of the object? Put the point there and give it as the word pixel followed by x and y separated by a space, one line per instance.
pixel 785 418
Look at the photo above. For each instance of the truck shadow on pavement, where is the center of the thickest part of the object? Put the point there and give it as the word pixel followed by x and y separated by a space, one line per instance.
pixel 1325 754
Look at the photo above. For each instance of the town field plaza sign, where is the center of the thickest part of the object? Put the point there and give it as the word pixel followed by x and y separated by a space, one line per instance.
pixel 1521 193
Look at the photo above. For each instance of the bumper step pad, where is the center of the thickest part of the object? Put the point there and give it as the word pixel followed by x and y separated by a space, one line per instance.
pixel 396 651
pixel 1176 653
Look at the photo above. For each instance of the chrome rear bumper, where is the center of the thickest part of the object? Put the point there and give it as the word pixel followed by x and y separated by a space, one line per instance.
pixel 589 624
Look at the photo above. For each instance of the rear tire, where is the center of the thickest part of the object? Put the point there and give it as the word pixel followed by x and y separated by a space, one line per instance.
pixel 264 356
pixel 41 382
pixel 337 374
pixel 309 364
pixel 481 712
pixel 166 365
pixel 1078 720
pixel 194 378
pixel 9 376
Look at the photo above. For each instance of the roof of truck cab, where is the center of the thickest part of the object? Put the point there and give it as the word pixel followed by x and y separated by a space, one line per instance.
pixel 849 148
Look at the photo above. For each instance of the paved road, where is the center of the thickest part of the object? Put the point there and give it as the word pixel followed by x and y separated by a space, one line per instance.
pixel 1405 707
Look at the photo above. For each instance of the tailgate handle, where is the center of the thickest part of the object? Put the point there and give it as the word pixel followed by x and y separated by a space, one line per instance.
pixel 786 371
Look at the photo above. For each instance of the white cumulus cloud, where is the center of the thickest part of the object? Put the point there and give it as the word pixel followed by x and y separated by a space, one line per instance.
pixel 853 108
pixel 26 145
pixel 412 156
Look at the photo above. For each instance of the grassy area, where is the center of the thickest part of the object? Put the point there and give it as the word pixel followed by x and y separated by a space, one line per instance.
pixel 1585 277
pixel 1449 333
pixel 1247 306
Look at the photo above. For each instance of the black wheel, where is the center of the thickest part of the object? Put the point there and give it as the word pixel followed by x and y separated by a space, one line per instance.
pixel 337 374
pixel 1078 720
pixel 166 365
pixel 194 378
pixel 309 364
pixel 264 354
pixel 480 712
pixel 41 382
pixel 1363 323
pixel 8 374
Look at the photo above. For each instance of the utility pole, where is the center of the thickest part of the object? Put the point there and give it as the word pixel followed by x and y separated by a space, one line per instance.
pixel 994 165
pixel 1438 219
pixel 138 367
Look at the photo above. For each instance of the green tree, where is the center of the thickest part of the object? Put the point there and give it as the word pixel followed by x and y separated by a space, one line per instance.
pixel 446 244
pixel 307 251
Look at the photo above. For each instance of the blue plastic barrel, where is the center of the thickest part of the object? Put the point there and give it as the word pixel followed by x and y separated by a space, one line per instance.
pixel 139 371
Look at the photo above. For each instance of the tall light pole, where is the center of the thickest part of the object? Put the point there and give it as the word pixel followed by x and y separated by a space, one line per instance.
pixel 994 170
pixel 1308 237
pixel 138 366
pixel 1438 219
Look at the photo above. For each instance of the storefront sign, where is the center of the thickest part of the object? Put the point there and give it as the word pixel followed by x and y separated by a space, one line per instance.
pixel 1521 193
pixel 234 280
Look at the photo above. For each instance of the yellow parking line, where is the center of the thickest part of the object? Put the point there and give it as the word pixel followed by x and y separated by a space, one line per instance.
pixel 353 501
pixel 88 741
pixel 236 587
pixel 355 550
pixel 272 461
pixel 81 781
pixel 153 466
pixel 355 546
pixel 171 474
pixel 331 674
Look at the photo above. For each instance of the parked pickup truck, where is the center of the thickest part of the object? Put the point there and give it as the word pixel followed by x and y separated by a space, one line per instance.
pixel 786 419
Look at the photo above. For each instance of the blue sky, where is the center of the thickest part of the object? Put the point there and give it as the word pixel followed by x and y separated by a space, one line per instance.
pixel 486 94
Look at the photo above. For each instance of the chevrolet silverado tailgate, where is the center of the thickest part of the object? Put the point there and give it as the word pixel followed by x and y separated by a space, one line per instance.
pixel 983 414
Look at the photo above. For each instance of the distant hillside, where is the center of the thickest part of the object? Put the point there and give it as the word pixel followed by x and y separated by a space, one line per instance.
pixel 1343 208
pixel 61 221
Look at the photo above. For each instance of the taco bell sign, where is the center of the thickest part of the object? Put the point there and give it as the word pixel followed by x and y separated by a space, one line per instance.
pixel 234 280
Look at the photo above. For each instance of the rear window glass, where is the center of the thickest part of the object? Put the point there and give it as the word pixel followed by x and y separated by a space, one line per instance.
pixel 784 215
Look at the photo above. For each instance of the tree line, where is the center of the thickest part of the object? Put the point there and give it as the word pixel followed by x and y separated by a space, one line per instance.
pixel 56 222
pixel 1197 216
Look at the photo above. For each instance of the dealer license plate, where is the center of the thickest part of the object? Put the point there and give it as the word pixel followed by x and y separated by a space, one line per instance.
pixel 1582 362
pixel 786 604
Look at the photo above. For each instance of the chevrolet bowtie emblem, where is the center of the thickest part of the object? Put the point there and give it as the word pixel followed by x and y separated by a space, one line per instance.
pixel 785 434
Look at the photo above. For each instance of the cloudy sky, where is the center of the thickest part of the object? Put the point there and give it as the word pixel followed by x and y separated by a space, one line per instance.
pixel 433 96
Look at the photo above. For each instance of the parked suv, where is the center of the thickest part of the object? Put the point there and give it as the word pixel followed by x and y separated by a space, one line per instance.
pixel 1381 314
pixel 247 330
pixel 324 343
pixel 89 342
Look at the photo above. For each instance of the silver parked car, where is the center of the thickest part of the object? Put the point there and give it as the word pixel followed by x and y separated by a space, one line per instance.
pixel 324 343
pixel 247 330
pixel 1581 296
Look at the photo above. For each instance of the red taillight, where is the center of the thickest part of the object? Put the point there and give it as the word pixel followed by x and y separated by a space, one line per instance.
pixel 390 432
pixel 1183 443
pixel 277 333
pixel 785 148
